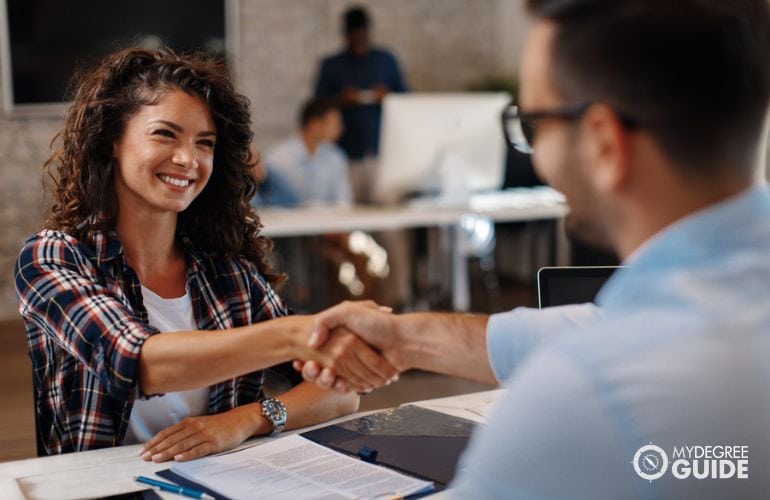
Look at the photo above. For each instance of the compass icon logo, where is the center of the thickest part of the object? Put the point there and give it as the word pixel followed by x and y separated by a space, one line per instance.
pixel 650 462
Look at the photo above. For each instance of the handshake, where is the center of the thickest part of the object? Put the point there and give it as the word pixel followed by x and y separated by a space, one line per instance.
pixel 353 346
pixel 362 346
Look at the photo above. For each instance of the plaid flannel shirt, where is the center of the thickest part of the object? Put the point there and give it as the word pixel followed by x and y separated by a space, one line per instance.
pixel 86 323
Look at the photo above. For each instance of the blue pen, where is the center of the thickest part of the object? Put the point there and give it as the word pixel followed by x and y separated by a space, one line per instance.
pixel 173 488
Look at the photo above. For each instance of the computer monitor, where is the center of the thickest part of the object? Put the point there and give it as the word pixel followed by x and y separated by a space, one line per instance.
pixel 450 144
pixel 558 286
pixel 42 43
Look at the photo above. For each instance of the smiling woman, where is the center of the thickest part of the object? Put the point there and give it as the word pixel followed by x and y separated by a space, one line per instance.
pixel 148 298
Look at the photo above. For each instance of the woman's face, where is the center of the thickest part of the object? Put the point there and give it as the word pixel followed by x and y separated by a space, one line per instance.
pixel 165 155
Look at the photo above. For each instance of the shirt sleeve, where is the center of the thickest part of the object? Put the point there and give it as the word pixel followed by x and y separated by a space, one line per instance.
pixel 398 84
pixel 59 291
pixel 272 306
pixel 548 436
pixel 323 86
pixel 514 335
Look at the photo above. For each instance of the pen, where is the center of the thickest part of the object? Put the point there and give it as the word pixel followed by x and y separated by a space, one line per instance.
pixel 173 488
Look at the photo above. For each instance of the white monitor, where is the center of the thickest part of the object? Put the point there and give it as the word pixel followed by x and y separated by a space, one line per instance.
pixel 449 144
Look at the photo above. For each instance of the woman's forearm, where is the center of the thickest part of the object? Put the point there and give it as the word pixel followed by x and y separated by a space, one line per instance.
pixel 179 361
pixel 194 437
pixel 306 404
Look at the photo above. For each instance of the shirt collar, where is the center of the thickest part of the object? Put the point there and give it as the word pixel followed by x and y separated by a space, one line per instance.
pixel 108 247
pixel 698 237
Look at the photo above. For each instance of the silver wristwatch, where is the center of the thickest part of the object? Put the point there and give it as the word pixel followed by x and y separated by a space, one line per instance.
pixel 275 412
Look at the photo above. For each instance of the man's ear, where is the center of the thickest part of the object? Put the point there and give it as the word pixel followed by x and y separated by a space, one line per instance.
pixel 607 148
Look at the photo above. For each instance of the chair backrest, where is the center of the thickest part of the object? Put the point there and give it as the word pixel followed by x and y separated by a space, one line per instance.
pixel 40 448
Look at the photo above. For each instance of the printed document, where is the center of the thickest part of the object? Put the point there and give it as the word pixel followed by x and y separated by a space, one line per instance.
pixel 297 468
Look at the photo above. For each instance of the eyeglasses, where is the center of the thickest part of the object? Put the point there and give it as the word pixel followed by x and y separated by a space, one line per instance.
pixel 519 127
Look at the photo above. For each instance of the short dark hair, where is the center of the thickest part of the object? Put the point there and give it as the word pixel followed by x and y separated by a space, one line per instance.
pixel 355 18
pixel 313 109
pixel 694 73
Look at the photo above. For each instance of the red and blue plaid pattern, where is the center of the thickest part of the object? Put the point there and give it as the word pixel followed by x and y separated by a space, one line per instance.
pixel 86 323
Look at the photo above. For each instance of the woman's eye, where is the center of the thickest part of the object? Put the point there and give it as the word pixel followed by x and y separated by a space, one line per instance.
pixel 206 142
pixel 164 132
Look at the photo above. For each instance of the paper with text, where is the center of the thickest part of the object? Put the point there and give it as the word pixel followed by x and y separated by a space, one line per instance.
pixel 295 467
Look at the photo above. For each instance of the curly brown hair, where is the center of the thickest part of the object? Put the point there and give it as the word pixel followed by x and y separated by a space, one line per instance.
pixel 221 219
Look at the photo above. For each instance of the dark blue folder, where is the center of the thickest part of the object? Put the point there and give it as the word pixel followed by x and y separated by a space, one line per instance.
pixel 422 443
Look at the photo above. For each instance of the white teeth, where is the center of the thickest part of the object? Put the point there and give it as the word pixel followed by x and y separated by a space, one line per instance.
pixel 175 182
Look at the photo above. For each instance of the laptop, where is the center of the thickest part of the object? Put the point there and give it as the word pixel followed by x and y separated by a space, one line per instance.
pixel 558 286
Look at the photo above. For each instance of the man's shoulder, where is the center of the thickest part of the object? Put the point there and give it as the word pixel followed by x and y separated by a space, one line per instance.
pixel 382 53
pixel 333 153
pixel 333 59
pixel 383 56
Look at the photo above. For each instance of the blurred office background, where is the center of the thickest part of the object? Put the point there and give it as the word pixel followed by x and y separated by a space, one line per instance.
pixel 442 45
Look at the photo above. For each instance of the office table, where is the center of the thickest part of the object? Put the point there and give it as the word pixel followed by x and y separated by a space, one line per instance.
pixel 512 205
pixel 110 471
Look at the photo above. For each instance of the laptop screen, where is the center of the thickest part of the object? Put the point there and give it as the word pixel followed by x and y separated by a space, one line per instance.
pixel 558 286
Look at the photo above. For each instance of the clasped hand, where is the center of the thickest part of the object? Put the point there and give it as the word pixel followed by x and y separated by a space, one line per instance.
pixel 357 348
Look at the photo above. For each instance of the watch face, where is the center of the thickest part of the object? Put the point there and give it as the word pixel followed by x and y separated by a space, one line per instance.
pixel 274 411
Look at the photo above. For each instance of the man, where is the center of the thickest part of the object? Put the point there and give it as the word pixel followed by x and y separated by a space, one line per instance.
pixel 648 115
pixel 358 78
pixel 308 166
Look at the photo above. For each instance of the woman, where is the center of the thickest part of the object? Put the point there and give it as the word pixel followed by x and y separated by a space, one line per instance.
pixel 151 231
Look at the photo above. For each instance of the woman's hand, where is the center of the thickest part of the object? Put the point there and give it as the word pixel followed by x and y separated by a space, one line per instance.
pixel 195 437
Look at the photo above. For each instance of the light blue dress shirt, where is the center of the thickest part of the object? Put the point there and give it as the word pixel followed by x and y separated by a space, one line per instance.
pixel 320 178
pixel 679 355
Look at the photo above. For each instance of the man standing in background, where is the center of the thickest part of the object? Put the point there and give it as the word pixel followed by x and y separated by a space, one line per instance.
pixel 357 79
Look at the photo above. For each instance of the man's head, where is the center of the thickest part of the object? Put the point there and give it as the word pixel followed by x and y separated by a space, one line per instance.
pixel 356 30
pixel 321 120
pixel 679 84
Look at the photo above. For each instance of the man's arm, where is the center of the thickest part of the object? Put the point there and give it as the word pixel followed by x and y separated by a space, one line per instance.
pixel 483 348
pixel 449 343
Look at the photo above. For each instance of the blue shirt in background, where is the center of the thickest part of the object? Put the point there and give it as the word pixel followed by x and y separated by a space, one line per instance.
pixel 294 177
pixel 362 122
pixel 678 355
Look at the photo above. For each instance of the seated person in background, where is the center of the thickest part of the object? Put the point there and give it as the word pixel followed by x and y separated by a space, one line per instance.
pixel 272 188
pixel 308 168
pixel 151 231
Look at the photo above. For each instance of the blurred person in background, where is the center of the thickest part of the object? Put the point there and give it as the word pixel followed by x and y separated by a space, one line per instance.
pixel 357 79
pixel 309 165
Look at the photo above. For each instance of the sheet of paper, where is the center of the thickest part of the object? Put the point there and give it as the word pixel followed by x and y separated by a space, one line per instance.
pixel 472 406
pixel 294 467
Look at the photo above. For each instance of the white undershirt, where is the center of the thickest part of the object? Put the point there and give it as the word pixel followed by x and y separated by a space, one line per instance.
pixel 150 416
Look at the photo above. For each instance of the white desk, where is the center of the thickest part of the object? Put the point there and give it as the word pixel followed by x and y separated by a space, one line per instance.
pixel 110 471
pixel 513 205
